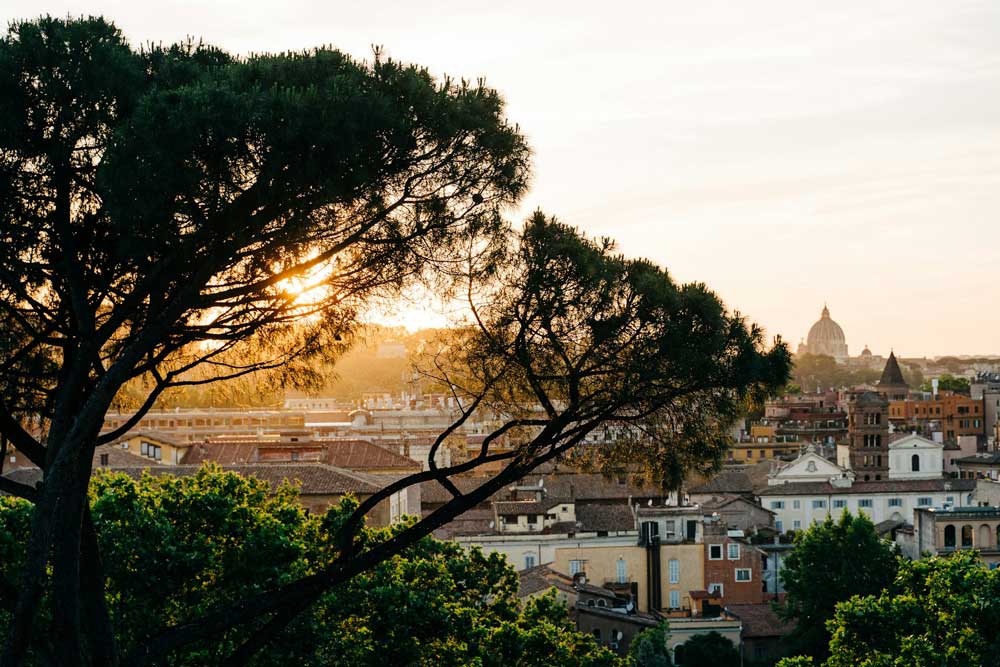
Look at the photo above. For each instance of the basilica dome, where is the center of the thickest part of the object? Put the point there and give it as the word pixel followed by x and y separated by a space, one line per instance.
pixel 826 337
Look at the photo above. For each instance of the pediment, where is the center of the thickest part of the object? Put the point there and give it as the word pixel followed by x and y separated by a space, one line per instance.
pixel 914 441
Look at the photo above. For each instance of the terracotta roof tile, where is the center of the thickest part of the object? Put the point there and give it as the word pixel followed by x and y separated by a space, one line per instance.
pixel 760 620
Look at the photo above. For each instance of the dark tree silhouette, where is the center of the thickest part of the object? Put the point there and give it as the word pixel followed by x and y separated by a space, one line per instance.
pixel 164 210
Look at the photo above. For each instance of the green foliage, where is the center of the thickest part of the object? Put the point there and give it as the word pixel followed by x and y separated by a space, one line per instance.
pixel 649 648
pixel 818 370
pixel 619 337
pixel 943 612
pixel 176 546
pixel 710 650
pixel 797 661
pixel 948 382
pixel 831 562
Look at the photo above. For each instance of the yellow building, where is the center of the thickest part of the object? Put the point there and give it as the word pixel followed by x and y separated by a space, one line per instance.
pixel 763 443
pixel 154 447
pixel 682 570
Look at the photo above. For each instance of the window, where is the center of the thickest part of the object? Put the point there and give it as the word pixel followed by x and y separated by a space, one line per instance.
pixel 924 502
pixel 597 632
pixel 966 536
pixel 819 504
pixel 104 459
pixel 743 574
pixel 796 504
pixel 532 518
pixel 778 526
pixel 796 524
pixel 895 502
pixel 716 589
pixel 734 552
pixel 949 537
pixel 840 503
pixel 675 599
pixel 915 463
pixel 577 566
pixel 777 504
pixel 865 503
pixel 715 552
pixel 674 568
pixel 620 570
pixel 529 561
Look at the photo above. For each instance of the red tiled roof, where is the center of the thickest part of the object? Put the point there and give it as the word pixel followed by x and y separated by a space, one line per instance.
pixel 760 620
pixel 364 454
pixel 350 454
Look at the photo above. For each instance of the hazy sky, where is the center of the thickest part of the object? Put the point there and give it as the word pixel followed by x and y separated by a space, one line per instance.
pixel 785 153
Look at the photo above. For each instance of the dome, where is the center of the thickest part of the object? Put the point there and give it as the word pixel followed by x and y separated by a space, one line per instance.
pixel 826 337
pixel 866 352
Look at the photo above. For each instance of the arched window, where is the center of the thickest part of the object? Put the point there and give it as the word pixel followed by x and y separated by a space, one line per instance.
pixel 983 538
pixel 966 536
pixel 998 536
pixel 679 654
pixel 915 463
pixel 949 537
pixel 602 603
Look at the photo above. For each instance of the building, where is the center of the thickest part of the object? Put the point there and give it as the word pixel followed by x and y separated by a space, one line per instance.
pixel 915 457
pixel 299 447
pixel 762 634
pixel 738 513
pixel 826 338
pixel 891 385
pixel 814 418
pixel 732 566
pixel 952 415
pixel 763 443
pixel 797 505
pixel 539 580
pixel 195 425
pixel 944 529
pixel 979 466
pixel 985 387
pixel 867 437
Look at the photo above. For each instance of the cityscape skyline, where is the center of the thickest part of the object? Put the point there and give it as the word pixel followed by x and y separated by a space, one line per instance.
pixel 786 154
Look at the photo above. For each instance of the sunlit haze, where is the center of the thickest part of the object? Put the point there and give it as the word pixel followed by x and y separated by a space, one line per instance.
pixel 785 153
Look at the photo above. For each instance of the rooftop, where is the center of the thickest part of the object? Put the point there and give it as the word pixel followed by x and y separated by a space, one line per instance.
pixel 882 486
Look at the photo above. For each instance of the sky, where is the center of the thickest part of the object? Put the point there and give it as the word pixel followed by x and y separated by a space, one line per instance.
pixel 787 153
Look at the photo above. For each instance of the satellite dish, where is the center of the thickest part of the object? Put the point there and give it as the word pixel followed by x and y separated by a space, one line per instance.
pixel 618 635
pixel 491 524
pixel 649 503
pixel 541 481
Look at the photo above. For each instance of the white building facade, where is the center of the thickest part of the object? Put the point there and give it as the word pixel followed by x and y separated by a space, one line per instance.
pixel 812 488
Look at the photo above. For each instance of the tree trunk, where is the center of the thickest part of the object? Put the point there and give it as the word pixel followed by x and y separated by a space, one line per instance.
pixel 100 634
pixel 55 538
pixel 32 579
